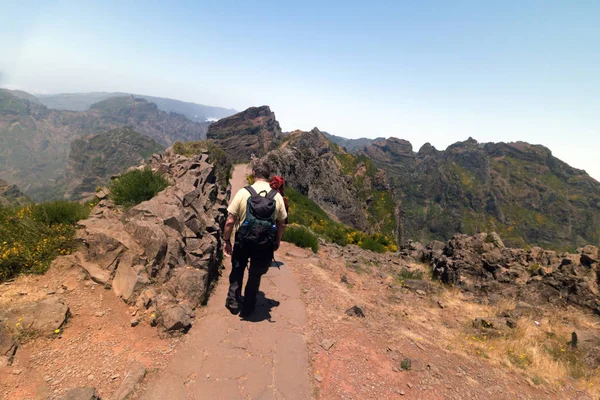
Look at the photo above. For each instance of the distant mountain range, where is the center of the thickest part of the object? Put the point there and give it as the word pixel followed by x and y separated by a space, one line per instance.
pixel 35 140
pixel 83 101
pixel 382 185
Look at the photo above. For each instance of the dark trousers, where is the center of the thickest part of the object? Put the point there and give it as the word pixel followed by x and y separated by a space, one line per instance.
pixel 260 261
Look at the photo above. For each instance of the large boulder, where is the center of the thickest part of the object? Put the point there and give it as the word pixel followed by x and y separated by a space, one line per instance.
pixel 44 316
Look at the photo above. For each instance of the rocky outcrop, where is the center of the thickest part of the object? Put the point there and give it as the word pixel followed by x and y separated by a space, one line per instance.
pixel 95 158
pixel 390 150
pixel 340 183
pixel 10 195
pixel 162 255
pixel 483 265
pixel 35 141
pixel 517 189
pixel 254 131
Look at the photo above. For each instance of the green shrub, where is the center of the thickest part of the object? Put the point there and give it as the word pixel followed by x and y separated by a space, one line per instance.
pixel 370 243
pixel 28 243
pixel 301 237
pixel 216 156
pixel 60 212
pixel 136 186
pixel 304 211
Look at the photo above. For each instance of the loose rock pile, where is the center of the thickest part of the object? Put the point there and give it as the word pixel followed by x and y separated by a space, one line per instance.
pixel 161 255
pixel 482 264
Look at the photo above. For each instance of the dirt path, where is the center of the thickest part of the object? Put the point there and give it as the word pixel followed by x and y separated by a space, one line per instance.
pixel 225 357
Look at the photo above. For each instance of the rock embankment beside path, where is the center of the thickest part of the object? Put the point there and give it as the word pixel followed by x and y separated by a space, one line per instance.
pixel 162 255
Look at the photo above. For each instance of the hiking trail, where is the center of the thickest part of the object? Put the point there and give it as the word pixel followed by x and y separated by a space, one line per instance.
pixel 224 357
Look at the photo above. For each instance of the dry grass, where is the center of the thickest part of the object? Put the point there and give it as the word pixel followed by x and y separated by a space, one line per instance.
pixel 536 349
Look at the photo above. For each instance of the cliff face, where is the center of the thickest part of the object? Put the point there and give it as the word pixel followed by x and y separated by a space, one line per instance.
pixel 349 188
pixel 516 189
pixel 95 158
pixel 254 131
pixel 35 141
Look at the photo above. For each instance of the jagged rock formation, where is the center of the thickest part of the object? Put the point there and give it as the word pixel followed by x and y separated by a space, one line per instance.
pixel 483 265
pixel 347 187
pixel 517 189
pixel 10 195
pixel 162 254
pixel 95 158
pixel 254 131
pixel 35 141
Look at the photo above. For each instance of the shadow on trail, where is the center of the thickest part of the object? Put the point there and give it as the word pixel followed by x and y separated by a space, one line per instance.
pixel 277 264
pixel 262 311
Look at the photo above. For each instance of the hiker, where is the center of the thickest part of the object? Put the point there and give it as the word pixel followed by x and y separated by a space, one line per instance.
pixel 277 183
pixel 258 214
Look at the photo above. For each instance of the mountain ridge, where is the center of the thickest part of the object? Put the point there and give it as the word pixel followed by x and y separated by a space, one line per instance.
pixel 83 101
pixel 518 189
pixel 93 159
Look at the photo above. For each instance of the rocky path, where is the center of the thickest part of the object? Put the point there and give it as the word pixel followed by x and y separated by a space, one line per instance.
pixel 225 357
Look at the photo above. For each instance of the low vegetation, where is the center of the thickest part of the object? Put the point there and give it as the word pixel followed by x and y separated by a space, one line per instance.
pixel 540 347
pixel 301 237
pixel 32 236
pixel 136 186
pixel 216 155
pixel 304 211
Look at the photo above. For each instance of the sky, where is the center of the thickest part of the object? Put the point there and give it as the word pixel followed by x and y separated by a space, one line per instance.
pixel 425 71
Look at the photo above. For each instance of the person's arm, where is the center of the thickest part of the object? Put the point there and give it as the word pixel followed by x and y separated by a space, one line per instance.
pixel 229 224
pixel 280 231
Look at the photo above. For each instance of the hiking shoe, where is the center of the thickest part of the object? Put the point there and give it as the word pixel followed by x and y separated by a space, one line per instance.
pixel 233 306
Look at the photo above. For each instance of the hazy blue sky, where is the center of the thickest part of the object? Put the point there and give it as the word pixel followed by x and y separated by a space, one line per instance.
pixel 425 71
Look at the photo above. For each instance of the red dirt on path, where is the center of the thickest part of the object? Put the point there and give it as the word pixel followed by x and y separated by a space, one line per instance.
pixel 95 347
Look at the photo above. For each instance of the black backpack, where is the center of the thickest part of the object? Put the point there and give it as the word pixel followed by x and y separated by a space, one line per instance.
pixel 259 230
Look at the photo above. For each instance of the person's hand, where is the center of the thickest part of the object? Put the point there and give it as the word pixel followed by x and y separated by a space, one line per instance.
pixel 228 249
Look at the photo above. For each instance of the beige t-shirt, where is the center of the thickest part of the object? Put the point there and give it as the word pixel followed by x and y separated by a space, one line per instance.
pixel 237 206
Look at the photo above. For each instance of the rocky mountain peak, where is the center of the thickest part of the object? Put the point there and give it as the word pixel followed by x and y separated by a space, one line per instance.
pixel 390 149
pixel 253 131
pixel 427 150
pixel 311 139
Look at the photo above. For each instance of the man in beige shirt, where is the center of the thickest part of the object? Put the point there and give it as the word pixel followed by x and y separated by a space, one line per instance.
pixel 244 249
